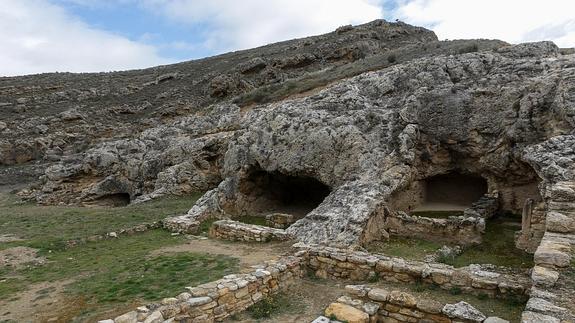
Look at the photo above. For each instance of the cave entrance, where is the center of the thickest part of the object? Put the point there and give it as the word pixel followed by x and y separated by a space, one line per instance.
pixel 111 200
pixel 451 192
pixel 274 192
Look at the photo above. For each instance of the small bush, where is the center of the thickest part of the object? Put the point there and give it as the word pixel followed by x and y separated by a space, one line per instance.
pixel 391 58
pixel 455 290
pixel 446 259
pixel 419 287
pixel 265 308
pixel 482 296
pixel 373 278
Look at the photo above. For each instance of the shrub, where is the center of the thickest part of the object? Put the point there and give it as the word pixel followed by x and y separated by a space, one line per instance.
pixel 263 309
pixel 455 290
pixel 391 58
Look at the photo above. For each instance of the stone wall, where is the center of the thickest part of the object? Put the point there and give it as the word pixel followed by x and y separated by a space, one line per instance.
pixel 237 231
pixel 463 230
pixel 551 300
pixel 332 263
pixel 408 198
pixel 486 207
pixel 219 299
pixel 368 304
pixel 279 220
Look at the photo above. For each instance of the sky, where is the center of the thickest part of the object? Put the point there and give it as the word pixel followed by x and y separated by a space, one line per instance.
pixel 38 36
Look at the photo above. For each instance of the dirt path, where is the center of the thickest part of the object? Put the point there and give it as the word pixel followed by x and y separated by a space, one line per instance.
pixel 249 254
pixel 34 304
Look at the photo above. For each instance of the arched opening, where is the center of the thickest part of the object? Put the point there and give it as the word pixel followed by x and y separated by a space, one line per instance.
pixel 111 200
pixel 269 192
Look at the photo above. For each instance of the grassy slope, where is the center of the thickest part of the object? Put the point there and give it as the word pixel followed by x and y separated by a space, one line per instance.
pixel 105 273
pixel 45 227
pixel 408 248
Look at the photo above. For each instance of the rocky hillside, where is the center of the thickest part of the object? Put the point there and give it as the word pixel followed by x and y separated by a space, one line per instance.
pixel 156 131
pixel 364 111
pixel 507 115
pixel 52 118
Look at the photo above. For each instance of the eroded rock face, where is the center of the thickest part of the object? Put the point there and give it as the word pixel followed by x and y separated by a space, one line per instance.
pixel 182 157
pixel 81 127
pixel 506 114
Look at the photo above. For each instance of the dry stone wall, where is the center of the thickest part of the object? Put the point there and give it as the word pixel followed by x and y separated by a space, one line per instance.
pixel 332 263
pixel 279 220
pixel 369 304
pixel 550 300
pixel 463 230
pixel 237 231
pixel 486 207
pixel 219 299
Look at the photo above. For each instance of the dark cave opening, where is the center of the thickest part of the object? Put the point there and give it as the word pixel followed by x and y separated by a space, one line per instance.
pixel 453 190
pixel 112 200
pixel 269 192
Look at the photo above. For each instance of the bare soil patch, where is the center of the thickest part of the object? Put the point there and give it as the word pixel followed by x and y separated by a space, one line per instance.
pixel 249 254
pixel 17 257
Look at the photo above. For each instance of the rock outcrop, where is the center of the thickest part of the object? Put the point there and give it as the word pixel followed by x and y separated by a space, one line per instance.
pixel 504 114
pixel 77 126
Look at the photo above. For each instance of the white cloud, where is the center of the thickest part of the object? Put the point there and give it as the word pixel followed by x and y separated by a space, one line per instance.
pixel 37 36
pixel 514 21
pixel 244 24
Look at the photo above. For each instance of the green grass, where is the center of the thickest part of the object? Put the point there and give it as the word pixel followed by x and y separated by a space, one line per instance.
pixel 48 227
pixel 408 248
pixel 251 219
pixel 274 305
pixel 498 248
pixel 437 214
pixel 508 309
pixel 121 270
pixel 206 225
pixel 108 273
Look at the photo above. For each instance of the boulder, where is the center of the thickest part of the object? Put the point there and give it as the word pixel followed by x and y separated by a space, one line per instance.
pixel 463 311
pixel 346 313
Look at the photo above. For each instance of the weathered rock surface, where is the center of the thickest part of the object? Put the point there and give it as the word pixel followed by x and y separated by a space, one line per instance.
pixel 144 129
pixel 505 114
pixel 463 311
